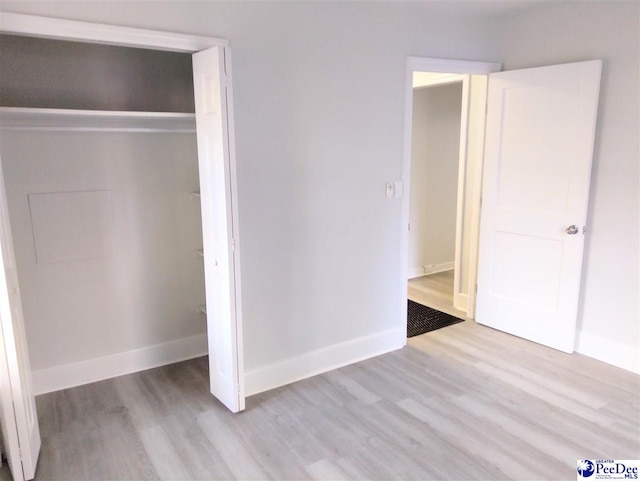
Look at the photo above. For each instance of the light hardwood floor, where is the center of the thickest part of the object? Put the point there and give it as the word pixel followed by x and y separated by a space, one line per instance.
pixel 436 291
pixel 464 402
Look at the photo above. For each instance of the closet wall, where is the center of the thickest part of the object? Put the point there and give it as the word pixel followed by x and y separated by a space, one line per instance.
pixel 104 224
pixel 57 74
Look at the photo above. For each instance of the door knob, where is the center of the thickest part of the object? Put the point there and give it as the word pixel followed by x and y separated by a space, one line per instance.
pixel 572 230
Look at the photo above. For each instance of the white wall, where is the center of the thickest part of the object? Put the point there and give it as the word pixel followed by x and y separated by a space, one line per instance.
pixel 435 148
pixel 316 146
pixel 140 289
pixel 609 314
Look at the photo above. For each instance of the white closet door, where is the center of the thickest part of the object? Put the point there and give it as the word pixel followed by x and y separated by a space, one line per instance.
pixel 538 151
pixel 18 415
pixel 224 324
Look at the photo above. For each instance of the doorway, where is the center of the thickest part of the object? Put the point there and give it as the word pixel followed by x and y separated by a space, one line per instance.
pixel 435 159
pixel 543 107
pixel 447 282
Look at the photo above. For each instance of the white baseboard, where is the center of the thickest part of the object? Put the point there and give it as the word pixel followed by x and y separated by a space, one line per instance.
pixel 435 268
pixel 100 368
pixel 321 360
pixel 415 272
pixel 615 353
pixel 460 301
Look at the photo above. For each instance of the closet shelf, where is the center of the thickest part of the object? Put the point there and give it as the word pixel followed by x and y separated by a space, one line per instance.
pixel 19 118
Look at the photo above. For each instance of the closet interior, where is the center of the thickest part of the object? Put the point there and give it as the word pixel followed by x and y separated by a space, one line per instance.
pixel 99 154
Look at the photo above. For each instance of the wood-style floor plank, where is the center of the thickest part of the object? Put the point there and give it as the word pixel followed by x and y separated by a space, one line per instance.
pixel 435 291
pixel 463 402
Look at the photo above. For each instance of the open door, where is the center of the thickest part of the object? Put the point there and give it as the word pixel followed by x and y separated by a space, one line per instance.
pixel 538 152
pixel 20 430
pixel 219 226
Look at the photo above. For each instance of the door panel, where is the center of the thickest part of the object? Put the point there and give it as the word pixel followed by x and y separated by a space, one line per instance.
pixel 216 197
pixel 538 152
pixel 18 413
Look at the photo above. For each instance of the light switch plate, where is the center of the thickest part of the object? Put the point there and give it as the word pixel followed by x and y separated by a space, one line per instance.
pixel 389 190
pixel 398 189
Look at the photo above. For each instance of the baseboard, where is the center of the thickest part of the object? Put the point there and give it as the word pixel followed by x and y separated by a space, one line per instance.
pixel 100 368
pixel 615 353
pixel 460 302
pixel 321 360
pixel 414 272
pixel 435 268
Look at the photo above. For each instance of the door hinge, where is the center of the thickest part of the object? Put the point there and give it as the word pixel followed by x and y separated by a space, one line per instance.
pixel 233 245
pixel 409 227
pixel 584 229
pixel 476 288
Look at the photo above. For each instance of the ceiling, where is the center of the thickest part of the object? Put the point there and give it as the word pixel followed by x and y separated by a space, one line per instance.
pixel 487 7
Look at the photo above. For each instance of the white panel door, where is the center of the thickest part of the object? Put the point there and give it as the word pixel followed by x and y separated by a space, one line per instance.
pixel 538 151
pixel 18 416
pixel 219 223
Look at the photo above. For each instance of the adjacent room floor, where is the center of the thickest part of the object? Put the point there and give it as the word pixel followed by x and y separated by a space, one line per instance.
pixel 435 291
pixel 464 402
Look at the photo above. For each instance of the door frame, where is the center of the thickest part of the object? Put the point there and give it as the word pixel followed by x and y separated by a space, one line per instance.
pixel 436 65
pixel 88 32
pixel 465 81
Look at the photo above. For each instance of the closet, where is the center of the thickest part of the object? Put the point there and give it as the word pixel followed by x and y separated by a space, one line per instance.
pixel 115 228
pixel 100 160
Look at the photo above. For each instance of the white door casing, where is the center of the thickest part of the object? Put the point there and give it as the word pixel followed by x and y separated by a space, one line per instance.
pixel 218 203
pixel 424 64
pixel 21 432
pixel 460 297
pixel 538 152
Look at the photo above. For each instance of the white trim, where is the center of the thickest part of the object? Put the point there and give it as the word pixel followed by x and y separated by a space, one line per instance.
pixel 100 368
pixel 18 118
pixel 436 79
pixel 435 268
pixel 461 192
pixel 322 360
pixel 415 272
pixel 476 156
pixel 431 64
pixel 235 224
pixel 425 65
pixel 462 304
pixel 61 29
pixel 430 269
pixel 617 354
